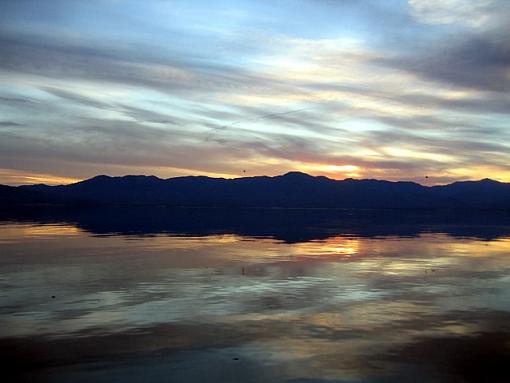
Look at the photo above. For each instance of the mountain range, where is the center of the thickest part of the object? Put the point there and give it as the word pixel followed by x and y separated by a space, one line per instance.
pixel 291 190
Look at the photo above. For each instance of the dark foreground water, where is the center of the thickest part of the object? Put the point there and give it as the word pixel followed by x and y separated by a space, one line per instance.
pixel 261 296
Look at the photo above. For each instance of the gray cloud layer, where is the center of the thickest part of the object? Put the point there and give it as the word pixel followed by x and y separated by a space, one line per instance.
pixel 432 100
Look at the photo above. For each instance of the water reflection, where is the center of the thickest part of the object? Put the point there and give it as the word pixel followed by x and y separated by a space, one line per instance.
pixel 288 225
pixel 79 305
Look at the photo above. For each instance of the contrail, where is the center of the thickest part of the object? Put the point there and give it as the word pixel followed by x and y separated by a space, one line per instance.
pixel 214 130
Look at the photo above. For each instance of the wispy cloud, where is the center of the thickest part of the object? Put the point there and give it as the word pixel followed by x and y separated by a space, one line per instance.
pixel 391 91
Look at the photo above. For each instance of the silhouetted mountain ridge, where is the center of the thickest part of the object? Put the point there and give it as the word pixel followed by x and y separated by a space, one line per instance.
pixel 291 190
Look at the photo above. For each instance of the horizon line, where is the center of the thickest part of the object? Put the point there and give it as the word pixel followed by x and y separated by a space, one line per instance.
pixel 256 176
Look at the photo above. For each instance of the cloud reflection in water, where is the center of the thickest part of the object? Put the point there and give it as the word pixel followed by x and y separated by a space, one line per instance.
pixel 341 309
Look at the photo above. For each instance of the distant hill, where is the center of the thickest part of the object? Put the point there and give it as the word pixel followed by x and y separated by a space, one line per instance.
pixel 291 190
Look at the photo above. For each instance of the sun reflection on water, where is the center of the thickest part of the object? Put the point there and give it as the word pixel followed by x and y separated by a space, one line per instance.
pixel 341 246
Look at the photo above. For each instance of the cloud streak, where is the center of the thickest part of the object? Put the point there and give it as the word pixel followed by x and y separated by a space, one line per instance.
pixel 240 89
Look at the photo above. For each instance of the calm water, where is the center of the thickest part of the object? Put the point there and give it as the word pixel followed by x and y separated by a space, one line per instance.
pixel 155 302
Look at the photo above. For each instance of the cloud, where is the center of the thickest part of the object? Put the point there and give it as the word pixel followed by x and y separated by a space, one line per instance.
pixel 427 95
pixel 144 115
pixel 274 115
pixel 480 62
pixel 472 13
pixel 76 98
pixel 14 101
pixel 9 124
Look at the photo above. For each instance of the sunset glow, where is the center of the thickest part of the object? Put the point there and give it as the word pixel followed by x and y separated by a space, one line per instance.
pixel 400 90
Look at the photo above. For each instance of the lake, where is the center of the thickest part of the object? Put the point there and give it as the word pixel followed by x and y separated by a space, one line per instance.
pixel 205 295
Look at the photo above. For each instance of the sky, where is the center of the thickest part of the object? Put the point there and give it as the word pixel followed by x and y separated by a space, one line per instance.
pixel 401 90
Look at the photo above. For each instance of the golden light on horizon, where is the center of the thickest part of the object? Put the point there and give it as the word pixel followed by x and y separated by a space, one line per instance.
pixel 13 177
pixel 332 171
pixel 480 172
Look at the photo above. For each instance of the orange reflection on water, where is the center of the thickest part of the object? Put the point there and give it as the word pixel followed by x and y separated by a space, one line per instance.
pixel 479 248
pixel 343 246
pixel 20 231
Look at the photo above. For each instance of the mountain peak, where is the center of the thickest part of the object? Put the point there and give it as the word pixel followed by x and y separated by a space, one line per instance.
pixel 295 174
pixel 99 178
pixel 489 181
